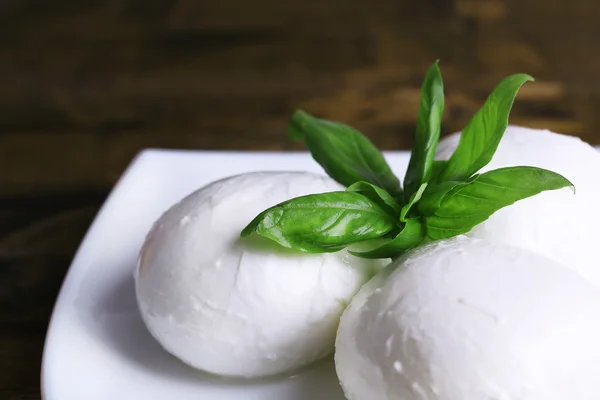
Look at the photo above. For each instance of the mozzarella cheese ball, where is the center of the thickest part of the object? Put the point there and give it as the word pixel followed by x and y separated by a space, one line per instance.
pixel 242 307
pixel 558 224
pixel 468 319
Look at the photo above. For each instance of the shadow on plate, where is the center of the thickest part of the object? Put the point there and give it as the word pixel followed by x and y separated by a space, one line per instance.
pixel 119 325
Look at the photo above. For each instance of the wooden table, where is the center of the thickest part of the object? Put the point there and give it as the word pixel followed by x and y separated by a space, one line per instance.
pixel 85 85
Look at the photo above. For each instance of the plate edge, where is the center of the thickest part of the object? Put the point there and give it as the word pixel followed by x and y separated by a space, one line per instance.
pixel 136 161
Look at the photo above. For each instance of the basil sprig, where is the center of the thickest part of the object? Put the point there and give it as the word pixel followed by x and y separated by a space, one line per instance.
pixel 376 194
pixel 429 120
pixel 323 222
pixel 480 138
pixel 344 153
pixel 441 198
pixel 470 203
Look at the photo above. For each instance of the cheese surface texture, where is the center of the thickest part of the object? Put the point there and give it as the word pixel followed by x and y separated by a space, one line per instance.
pixel 468 319
pixel 242 307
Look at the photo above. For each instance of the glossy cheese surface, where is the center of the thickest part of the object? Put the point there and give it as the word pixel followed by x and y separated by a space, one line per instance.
pixel 468 319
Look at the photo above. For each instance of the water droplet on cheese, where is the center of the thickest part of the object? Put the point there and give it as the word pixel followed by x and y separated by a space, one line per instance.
pixel 388 346
pixel 398 367
pixel 418 390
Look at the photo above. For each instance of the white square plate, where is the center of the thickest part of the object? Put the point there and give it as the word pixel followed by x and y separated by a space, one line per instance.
pixel 97 347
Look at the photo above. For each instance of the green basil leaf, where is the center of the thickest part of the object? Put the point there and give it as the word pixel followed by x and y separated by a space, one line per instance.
pixel 376 194
pixel 480 138
pixel 429 120
pixel 411 236
pixel 345 154
pixel 324 222
pixel 433 196
pixel 413 199
pixel 470 204
pixel 438 167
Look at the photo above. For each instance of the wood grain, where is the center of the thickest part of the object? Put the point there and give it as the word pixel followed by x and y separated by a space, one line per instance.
pixel 86 85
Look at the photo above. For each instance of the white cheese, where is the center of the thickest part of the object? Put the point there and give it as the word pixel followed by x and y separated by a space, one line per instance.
pixel 468 319
pixel 248 307
pixel 557 224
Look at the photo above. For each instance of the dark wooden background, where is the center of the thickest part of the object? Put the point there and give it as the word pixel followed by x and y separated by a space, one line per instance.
pixel 84 85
